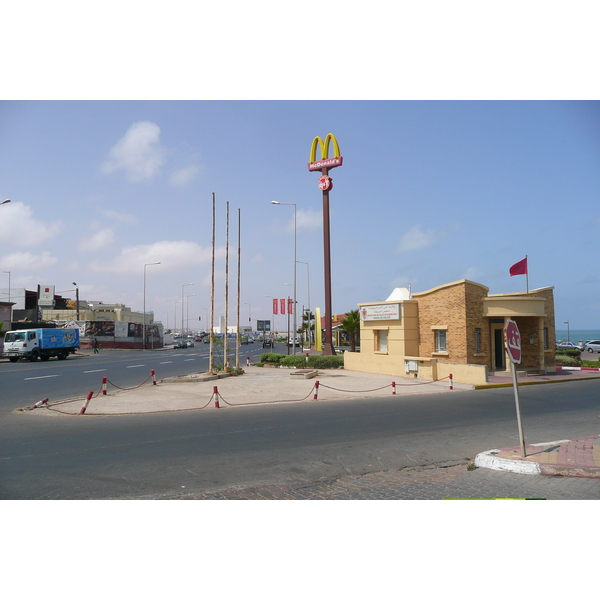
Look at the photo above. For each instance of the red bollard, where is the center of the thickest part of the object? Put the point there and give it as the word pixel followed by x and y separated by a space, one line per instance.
pixel 451 386
pixel 247 361
pixel 216 396
pixel 38 404
pixel 153 376
pixel 104 380
pixel 307 357
pixel 316 390
pixel 85 404
pixel 393 388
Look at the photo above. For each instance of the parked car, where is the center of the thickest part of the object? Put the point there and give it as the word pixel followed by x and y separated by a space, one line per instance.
pixel 592 346
pixel 189 344
pixel 179 344
pixel 568 346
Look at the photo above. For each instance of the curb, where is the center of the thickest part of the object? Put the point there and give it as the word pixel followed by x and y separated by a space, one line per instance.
pixel 489 460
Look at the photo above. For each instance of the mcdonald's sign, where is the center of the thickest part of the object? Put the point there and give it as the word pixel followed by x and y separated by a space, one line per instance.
pixel 326 161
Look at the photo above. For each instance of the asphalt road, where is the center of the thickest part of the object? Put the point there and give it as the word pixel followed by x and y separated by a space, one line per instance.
pixel 176 454
pixel 24 383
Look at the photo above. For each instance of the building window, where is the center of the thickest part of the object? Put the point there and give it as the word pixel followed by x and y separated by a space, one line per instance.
pixel 440 340
pixel 381 340
pixel 477 340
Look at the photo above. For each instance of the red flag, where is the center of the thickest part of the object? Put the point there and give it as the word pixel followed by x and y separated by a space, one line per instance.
pixel 519 268
pixel 290 306
pixel 275 303
pixel 282 301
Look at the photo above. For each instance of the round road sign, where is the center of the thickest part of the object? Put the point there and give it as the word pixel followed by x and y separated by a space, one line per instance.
pixel 513 341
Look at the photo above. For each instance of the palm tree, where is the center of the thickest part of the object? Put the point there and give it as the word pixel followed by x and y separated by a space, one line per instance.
pixel 307 324
pixel 351 325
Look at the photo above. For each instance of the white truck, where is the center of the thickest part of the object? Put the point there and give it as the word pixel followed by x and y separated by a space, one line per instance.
pixel 40 343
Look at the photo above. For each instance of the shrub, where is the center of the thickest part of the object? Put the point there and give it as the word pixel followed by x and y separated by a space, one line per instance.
pixel 564 360
pixel 315 361
pixel 271 358
pixel 573 353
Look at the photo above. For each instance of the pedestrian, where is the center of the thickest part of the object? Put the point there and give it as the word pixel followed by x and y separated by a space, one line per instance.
pixel 95 345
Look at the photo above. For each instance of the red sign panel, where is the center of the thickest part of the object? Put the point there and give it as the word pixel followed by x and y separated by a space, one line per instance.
pixel 290 306
pixel 282 303
pixel 275 303
pixel 513 341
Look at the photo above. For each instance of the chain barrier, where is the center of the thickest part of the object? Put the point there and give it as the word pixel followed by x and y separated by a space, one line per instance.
pixel 215 397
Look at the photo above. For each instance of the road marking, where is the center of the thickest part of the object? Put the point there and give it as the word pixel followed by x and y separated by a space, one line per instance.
pixel 188 359
pixel 42 377
pixel 134 366
pixel 96 371
pixel 166 362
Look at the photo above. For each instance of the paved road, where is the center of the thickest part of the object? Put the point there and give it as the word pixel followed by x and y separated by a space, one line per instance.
pixel 394 447
pixel 24 382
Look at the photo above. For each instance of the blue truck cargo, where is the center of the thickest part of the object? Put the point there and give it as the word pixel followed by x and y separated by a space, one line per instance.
pixel 40 343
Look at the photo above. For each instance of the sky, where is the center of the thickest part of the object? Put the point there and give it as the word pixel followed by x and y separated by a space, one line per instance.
pixel 430 192
pixel 470 140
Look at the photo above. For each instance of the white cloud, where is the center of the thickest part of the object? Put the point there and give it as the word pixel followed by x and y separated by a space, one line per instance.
pixel 308 219
pixel 138 153
pixel 184 175
pixel 415 239
pixel 101 240
pixel 26 261
pixel 123 217
pixel 173 256
pixel 19 228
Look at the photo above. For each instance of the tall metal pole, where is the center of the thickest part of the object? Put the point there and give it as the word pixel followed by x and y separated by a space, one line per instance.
pixel 144 319
pixel 225 345
pixel 328 348
pixel 308 319
pixel 212 295
pixel 237 347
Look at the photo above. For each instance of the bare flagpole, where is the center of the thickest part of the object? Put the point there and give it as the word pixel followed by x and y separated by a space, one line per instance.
pixel 225 348
pixel 527 274
pixel 211 361
pixel 237 346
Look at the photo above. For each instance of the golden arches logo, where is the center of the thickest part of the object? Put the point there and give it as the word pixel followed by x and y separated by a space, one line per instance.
pixel 326 162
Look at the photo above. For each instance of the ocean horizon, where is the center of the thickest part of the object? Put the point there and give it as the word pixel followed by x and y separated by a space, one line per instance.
pixel 576 335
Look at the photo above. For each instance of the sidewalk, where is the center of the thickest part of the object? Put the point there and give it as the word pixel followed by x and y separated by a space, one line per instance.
pixel 260 386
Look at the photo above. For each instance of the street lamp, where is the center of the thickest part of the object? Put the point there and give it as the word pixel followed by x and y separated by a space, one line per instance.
pixel 5 201
pixel 187 311
pixel 249 313
pixel 77 299
pixel 8 284
pixel 273 309
pixel 182 305
pixel 144 327
pixel 308 279
pixel 294 304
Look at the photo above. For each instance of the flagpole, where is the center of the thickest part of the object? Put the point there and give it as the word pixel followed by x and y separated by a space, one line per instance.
pixel 527 274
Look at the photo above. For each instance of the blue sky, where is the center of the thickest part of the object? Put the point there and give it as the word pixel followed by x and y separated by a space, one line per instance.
pixel 470 140
pixel 430 192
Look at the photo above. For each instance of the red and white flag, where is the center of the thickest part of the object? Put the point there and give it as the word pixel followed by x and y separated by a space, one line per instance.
pixel 290 306
pixel 275 305
pixel 519 268
pixel 282 304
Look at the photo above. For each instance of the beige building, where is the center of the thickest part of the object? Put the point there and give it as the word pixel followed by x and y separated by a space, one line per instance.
pixel 455 329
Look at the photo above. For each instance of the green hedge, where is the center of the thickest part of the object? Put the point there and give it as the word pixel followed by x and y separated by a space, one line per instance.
pixel 565 352
pixel 565 360
pixel 315 361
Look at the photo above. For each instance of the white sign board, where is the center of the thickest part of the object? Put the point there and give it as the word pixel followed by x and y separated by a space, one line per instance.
pixel 381 312
pixel 46 295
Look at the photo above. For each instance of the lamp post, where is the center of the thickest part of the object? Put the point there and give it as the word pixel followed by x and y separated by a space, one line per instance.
pixel 182 305
pixel 187 311
pixel 308 279
pixel 294 303
pixel 568 331
pixel 249 313
pixel 273 312
pixel 144 317
pixel 8 284
pixel 77 299
pixel 5 201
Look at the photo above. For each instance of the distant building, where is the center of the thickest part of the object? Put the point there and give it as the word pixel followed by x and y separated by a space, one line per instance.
pixel 457 329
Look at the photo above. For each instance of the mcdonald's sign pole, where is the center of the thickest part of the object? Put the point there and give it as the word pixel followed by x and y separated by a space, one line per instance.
pixel 325 185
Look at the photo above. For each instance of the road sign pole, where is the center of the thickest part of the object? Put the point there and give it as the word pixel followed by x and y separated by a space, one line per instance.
pixel 518 407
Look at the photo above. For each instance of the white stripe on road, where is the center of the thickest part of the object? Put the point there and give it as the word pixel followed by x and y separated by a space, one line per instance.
pixel 188 359
pixel 96 371
pixel 134 366
pixel 166 362
pixel 43 377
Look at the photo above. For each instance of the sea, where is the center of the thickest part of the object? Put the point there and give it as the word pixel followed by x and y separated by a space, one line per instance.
pixel 577 335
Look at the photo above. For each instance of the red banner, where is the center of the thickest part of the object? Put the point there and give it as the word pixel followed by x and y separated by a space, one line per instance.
pixel 519 268
pixel 275 303
pixel 290 306
pixel 282 302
